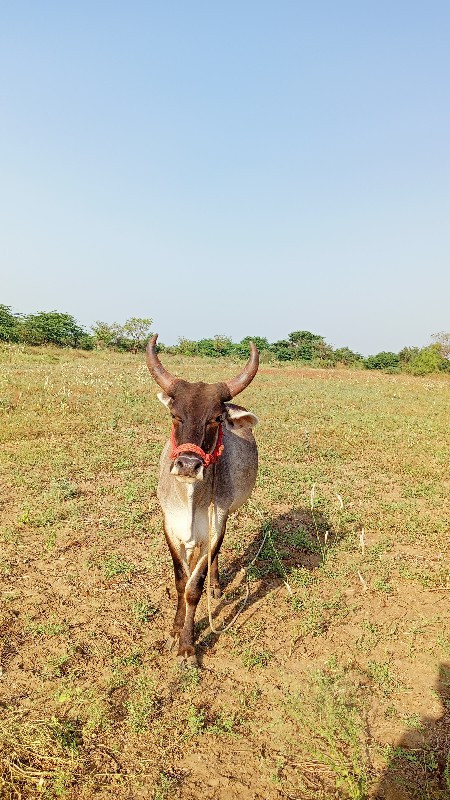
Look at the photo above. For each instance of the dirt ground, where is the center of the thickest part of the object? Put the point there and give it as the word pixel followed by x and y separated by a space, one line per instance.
pixel 335 680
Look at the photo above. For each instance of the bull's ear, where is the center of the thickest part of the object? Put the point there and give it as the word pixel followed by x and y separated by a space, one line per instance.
pixel 239 417
pixel 165 399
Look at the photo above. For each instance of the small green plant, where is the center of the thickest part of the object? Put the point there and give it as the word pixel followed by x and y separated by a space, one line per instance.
pixel 301 577
pixel 143 704
pixel 196 720
pixel 50 628
pixel 64 488
pixel 66 732
pixel 224 723
pixel 188 678
pixel 424 759
pixel 116 565
pixel 61 782
pixel 300 538
pixel 313 620
pixel 117 679
pixel 383 585
pixel 382 677
pixel 332 728
pixel 56 666
pixel 143 611
pixel 165 786
pixel 130 493
pixel 370 636
pixel 255 658
pixel 133 659
pixel 413 722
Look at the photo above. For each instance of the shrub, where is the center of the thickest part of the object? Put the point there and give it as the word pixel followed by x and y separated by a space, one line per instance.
pixel 136 333
pixel 343 355
pixel 283 350
pixel 8 325
pixel 87 342
pixel 309 345
pixel 214 348
pixel 383 360
pixel 187 347
pixel 50 327
pixel 428 360
pixel 242 350
pixel 407 354
pixel 442 340
pixel 106 335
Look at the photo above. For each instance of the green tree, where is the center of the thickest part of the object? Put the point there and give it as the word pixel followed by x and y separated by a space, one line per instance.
pixel 133 335
pixel 8 325
pixel 283 350
pixel 307 346
pixel 442 339
pixel 51 327
pixel 242 350
pixel 216 347
pixel 187 347
pixel 428 360
pixel 343 355
pixel 407 354
pixel 136 331
pixel 106 335
pixel 383 360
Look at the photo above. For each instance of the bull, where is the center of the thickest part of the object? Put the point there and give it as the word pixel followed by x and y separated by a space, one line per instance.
pixel 207 470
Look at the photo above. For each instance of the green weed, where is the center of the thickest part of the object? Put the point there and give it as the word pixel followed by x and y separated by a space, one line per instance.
pixel 382 676
pixel 224 723
pixel 188 678
pixel 196 720
pixel 252 658
pixel 116 565
pixel 143 704
pixel 143 611
pixel 166 785
pixel 50 628
pixel 332 728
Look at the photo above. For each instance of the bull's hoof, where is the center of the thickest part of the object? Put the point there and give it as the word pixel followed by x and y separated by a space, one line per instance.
pixel 186 657
pixel 216 591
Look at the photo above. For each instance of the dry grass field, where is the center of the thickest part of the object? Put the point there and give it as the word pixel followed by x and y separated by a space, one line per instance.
pixel 335 680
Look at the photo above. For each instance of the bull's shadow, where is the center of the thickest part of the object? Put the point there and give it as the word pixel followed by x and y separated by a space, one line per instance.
pixel 294 539
pixel 419 766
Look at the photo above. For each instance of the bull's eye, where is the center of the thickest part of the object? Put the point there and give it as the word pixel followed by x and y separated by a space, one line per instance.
pixel 218 419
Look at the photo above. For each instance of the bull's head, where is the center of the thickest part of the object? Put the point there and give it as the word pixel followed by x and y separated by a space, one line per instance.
pixel 198 409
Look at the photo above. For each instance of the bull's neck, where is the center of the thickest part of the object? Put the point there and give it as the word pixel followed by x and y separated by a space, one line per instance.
pixel 199 492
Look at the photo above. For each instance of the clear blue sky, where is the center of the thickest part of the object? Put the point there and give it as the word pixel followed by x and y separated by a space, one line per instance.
pixel 229 167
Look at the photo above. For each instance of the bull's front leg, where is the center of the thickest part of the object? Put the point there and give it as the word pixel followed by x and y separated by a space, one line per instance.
pixel 180 584
pixel 193 592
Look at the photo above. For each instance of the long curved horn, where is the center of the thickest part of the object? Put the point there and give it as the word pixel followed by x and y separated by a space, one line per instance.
pixel 238 384
pixel 163 378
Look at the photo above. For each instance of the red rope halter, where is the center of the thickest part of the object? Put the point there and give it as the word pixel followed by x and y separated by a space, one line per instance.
pixel 207 458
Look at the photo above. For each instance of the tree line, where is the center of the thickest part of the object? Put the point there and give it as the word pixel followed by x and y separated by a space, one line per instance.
pixel 303 347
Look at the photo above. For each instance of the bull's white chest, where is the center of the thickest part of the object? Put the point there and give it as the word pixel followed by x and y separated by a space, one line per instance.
pixel 187 523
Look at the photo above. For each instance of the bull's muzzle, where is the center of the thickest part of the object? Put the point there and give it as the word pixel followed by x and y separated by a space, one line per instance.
pixel 188 467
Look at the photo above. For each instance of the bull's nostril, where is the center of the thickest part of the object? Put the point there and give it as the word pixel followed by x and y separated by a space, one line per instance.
pixel 188 464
